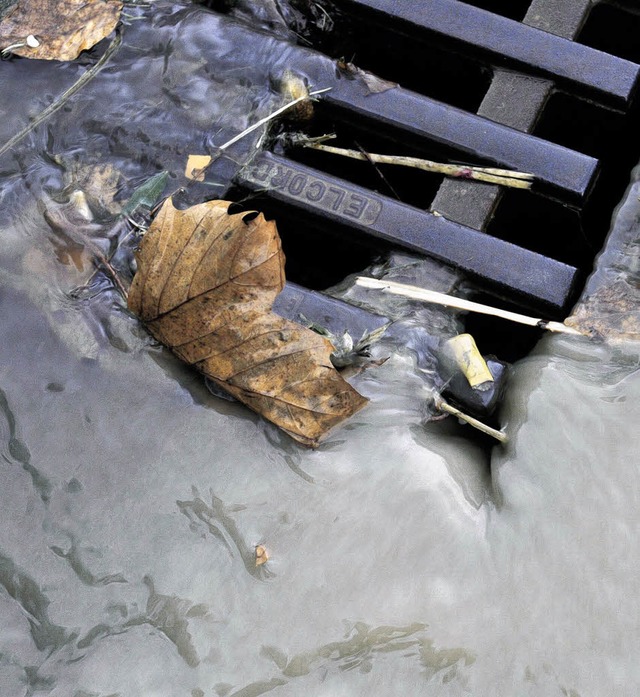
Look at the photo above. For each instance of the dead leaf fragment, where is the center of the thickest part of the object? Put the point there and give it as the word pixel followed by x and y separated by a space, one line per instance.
pixel 205 286
pixel 293 87
pixel 57 29
pixel 373 83
pixel 262 556
pixel 195 167
pixel 611 312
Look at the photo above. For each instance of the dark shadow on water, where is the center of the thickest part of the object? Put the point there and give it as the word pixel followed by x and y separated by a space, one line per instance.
pixel 467 458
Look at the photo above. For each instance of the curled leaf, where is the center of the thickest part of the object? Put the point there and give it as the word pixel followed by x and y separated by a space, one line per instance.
pixel 262 556
pixel 205 286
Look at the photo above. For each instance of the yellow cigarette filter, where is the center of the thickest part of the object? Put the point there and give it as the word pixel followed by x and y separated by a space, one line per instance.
pixel 463 350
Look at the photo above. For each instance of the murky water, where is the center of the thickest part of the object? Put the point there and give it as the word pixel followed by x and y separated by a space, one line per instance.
pixel 401 561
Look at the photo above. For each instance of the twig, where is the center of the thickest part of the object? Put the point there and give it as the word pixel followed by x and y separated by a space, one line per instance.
pixel 378 171
pixel 493 175
pixel 86 77
pixel 431 296
pixel 271 116
pixel 197 173
pixel 101 260
pixel 442 405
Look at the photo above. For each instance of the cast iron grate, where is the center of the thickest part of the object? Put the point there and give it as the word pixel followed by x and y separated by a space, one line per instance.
pixel 523 85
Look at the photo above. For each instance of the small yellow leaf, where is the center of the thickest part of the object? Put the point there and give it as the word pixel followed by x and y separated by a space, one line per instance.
pixel 262 555
pixel 195 165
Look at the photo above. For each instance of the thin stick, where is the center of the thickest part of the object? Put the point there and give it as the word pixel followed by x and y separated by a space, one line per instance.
pixel 271 116
pixel 431 296
pixel 493 175
pixel 442 405
pixel 220 150
pixel 87 76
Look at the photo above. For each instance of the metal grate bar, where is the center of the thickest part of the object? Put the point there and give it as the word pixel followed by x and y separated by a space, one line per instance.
pixel 506 40
pixel 515 100
pixel 566 171
pixel 538 280
pixel 555 165
pixel 296 301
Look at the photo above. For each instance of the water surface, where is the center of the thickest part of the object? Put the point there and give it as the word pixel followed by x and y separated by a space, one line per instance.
pixel 402 560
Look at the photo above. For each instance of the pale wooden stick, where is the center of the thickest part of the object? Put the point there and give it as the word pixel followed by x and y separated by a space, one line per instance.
pixel 274 114
pixel 431 296
pixel 442 405
pixel 271 116
pixel 493 175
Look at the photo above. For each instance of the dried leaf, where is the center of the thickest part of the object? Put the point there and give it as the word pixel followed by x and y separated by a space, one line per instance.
pixel 262 556
pixel 372 82
pixel 611 312
pixel 57 29
pixel 195 167
pixel 293 87
pixel 205 286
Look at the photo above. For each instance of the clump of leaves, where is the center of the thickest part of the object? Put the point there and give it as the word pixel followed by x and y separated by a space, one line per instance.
pixel 205 286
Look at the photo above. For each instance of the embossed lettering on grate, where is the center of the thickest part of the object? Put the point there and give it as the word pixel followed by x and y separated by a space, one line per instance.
pixel 516 84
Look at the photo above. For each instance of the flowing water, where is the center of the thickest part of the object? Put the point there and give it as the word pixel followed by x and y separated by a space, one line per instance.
pixel 402 561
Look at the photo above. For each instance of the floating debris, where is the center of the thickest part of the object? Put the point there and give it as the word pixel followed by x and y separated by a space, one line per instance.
pixel 262 556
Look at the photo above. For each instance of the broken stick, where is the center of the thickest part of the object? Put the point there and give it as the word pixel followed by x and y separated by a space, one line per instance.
pixel 432 296
pixel 492 175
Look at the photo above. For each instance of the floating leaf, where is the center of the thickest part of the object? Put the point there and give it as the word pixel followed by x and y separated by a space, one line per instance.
pixel 147 194
pixel 205 286
pixel 57 29
pixel 195 167
pixel 611 312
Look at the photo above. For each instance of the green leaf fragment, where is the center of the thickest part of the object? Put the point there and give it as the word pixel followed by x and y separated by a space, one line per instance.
pixel 147 194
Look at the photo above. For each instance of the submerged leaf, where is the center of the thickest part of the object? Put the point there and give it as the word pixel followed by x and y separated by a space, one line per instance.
pixel 57 29
pixel 205 286
pixel 146 194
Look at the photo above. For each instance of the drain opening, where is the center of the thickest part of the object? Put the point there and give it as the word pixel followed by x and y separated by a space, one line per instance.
pixel 614 29
pixel 610 136
pixel 545 221
pixel 513 9
pixel 422 66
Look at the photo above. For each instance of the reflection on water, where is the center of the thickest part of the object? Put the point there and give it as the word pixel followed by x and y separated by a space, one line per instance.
pixel 401 562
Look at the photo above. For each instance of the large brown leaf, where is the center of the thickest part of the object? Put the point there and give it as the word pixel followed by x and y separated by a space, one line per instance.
pixel 63 28
pixel 205 286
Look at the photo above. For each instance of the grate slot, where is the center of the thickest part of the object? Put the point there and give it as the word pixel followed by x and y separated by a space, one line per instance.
pixel 513 44
pixel 513 9
pixel 540 281
pixel 614 29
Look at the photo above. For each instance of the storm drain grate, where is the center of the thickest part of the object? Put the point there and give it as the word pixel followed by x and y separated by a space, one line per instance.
pixel 521 85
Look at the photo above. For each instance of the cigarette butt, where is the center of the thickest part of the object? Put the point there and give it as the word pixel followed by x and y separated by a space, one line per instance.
pixel 463 350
